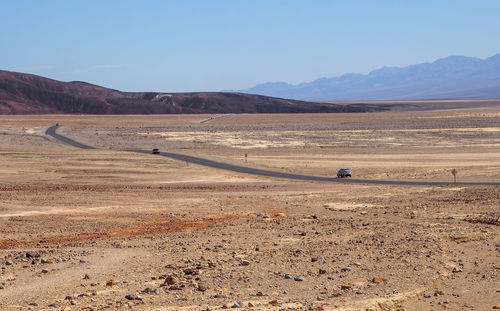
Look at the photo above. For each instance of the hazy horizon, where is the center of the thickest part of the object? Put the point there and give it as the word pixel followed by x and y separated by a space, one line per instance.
pixel 223 45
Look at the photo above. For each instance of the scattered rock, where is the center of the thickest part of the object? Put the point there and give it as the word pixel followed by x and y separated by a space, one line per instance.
pixel 244 263
pixel 456 270
pixel 378 280
pixel 287 276
pixel 212 265
pixel 298 278
pixel 171 280
pixel 133 297
pixel 111 283
pixel 191 271
pixel 175 287
pixel 86 277
pixel 9 262
pixel 237 304
pixel 150 290
pixel 440 292
pixel 32 254
pixel 219 296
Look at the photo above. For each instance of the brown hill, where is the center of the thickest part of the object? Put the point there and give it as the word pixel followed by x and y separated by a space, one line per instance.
pixel 22 93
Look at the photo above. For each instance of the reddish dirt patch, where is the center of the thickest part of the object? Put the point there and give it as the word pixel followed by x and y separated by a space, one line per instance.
pixel 149 226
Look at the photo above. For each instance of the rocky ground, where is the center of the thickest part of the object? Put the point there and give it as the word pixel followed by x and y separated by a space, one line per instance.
pixel 110 230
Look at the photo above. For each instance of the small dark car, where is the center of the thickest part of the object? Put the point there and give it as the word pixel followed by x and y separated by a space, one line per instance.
pixel 155 151
pixel 344 172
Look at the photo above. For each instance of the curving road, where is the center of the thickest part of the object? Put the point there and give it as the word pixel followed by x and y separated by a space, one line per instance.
pixel 51 131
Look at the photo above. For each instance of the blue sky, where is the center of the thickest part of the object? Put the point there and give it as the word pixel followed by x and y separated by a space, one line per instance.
pixel 219 45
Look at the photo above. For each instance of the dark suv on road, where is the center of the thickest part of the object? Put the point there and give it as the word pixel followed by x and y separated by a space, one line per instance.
pixel 344 172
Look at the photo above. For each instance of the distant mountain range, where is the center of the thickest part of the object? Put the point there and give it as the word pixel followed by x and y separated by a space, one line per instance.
pixel 454 77
pixel 447 78
pixel 22 93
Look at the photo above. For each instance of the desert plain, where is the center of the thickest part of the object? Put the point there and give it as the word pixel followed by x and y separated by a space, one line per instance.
pixel 109 229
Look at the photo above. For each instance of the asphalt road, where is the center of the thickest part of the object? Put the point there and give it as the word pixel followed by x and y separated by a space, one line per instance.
pixel 51 131
pixel 216 118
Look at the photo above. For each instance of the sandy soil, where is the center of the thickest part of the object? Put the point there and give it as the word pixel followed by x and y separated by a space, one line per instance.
pixel 85 229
